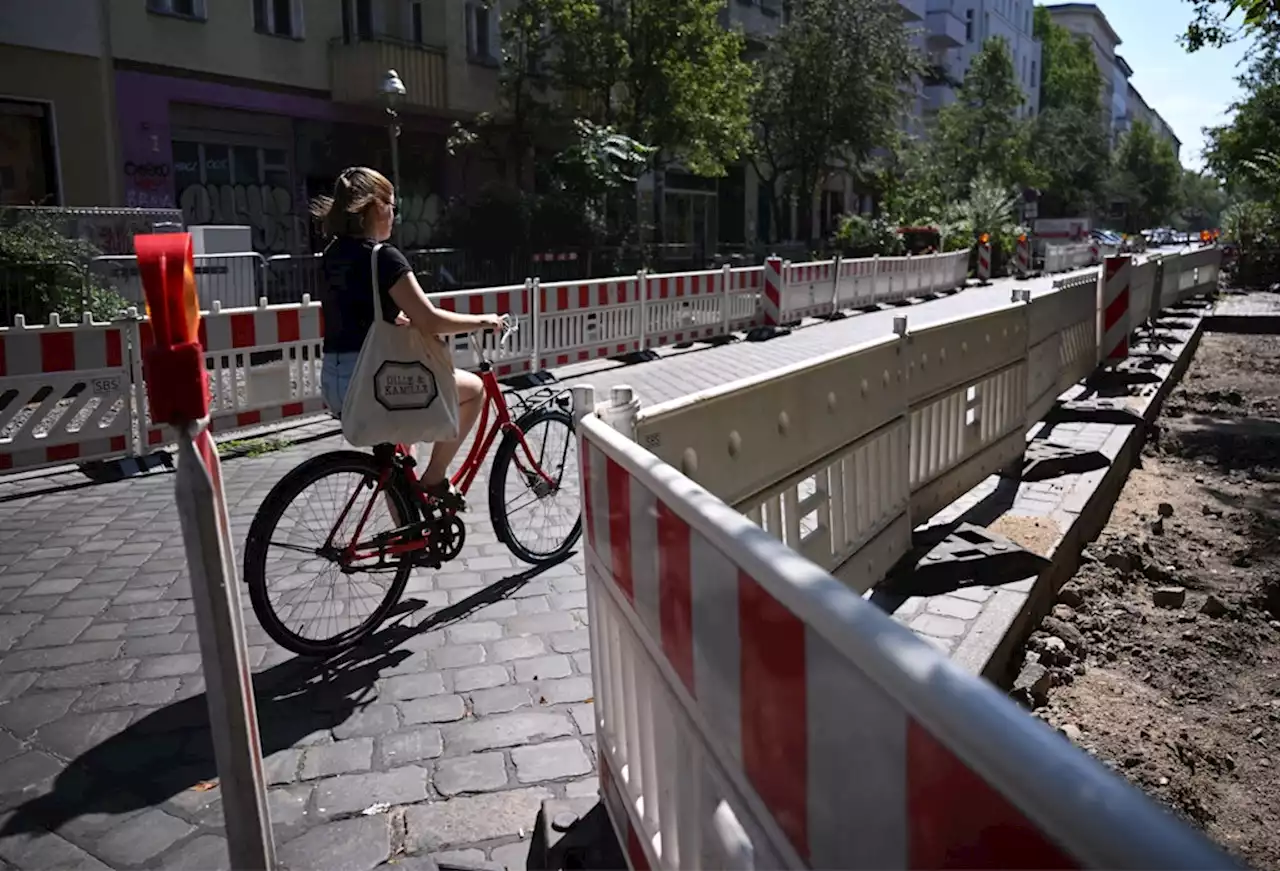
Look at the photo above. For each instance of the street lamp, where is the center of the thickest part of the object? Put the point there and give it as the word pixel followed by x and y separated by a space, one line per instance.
pixel 392 91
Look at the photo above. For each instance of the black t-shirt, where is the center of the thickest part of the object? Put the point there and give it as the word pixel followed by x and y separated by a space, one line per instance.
pixel 347 291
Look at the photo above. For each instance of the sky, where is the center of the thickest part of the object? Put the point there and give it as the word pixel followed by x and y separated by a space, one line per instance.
pixel 1190 91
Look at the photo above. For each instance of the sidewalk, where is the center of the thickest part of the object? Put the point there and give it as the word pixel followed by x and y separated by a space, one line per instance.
pixel 440 739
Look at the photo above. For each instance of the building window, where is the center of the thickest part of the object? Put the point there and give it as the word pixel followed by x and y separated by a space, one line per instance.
pixel 28 155
pixel 278 18
pixel 220 183
pixel 483 37
pixel 968 25
pixel 194 9
pixel 1033 74
pixel 416 22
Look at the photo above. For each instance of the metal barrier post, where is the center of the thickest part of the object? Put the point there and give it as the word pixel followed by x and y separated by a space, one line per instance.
pixel 642 318
pixel 137 384
pixel 533 292
pixel 179 394
pixel 726 302
pixel 835 286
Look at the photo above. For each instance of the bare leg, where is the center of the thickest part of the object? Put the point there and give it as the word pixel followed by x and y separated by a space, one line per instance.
pixel 470 401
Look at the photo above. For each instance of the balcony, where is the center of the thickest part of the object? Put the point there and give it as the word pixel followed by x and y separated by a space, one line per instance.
pixel 357 68
pixel 913 10
pixel 943 30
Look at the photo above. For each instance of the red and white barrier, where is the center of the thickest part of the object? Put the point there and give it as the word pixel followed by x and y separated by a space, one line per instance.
pixel 245 392
pixel 751 711
pixel 517 301
pixel 984 262
pixel 561 323
pixel 1022 262
pixel 586 320
pixel 809 290
pixel 64 394
pixel 772 300
pixel 1114 324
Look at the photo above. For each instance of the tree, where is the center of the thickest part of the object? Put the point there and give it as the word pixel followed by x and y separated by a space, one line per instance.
pixel 832 89
pixel 1146 176
pixel 659 72
pixel 1070 145
pixel 1069 75
pixel 1219 22
pixel 1203 201
pixel 981 131
pixel 1255 123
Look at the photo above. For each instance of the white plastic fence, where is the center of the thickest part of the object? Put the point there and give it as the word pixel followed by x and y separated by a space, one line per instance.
pixel 842 456
pixel 265 360
pixel 753 710
pixel 1062 258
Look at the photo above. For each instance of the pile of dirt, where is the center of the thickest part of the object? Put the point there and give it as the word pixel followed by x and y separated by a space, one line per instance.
pixel 1162 655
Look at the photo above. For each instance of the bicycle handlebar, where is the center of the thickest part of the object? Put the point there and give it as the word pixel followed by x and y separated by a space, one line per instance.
pixel 510 326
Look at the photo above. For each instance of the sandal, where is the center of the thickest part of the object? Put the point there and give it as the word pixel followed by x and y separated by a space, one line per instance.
pixel 445 495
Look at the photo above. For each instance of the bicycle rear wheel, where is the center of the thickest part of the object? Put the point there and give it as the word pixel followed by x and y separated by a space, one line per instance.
pixel 283 576
pixel 517 485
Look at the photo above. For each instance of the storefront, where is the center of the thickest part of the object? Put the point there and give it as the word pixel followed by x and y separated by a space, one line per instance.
pixel 231 155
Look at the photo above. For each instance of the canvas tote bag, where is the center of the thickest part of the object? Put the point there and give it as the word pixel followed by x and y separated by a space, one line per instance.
pixel 403 390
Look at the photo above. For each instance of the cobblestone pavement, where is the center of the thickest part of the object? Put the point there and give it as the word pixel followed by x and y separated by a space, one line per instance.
pixel 442 735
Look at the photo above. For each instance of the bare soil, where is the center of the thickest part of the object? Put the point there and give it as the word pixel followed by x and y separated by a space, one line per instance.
pixel 1162 655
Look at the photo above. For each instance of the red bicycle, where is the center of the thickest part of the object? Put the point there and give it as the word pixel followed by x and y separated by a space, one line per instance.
pixel 386 526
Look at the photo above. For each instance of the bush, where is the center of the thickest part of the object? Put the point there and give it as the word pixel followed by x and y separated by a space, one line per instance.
pixel 43 272
pixel 1254 229
pixel 859 236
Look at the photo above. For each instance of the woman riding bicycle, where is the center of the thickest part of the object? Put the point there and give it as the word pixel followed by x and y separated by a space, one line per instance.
pixel 359 215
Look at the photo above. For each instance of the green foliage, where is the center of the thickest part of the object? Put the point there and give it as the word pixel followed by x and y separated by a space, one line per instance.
pixel 599 161
pixel 1069 74
pixel 1219 22
pixel 1070 145
pixel 860 236
pixel 832 88
pixel 991 207
pixel 1254 126
pixel 1070 149
pixel 43 272
pixel 981 129
pixel 912 186
pixel 1147 177
pixel 1203 202
pixel 570 212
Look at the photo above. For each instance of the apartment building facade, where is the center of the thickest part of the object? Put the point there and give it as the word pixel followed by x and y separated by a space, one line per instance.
pixel 955 31
pixel 241 112
pixel 236 112
pixel 57 115
pixel 1120 98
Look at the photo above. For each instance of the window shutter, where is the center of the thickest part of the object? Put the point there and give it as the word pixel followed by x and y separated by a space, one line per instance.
pixel 299 29
pixel 495 30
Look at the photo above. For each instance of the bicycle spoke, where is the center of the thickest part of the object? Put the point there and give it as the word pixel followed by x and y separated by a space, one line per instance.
pixel 540 493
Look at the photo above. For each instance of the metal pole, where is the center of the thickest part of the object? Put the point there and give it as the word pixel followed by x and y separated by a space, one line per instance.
pixel 393 128
pixel 178 395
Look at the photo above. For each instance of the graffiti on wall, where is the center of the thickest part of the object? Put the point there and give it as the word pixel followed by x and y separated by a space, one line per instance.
pixel 419 218
pixel 268 210
pixel 148 185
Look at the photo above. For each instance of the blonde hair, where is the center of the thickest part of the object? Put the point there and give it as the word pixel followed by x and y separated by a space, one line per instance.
pixel 356 189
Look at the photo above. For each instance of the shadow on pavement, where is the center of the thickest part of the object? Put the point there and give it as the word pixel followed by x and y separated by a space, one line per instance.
pixel 170 750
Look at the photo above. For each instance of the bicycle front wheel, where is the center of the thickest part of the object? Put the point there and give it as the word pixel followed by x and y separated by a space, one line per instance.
pixel 534 497
pixel 300 593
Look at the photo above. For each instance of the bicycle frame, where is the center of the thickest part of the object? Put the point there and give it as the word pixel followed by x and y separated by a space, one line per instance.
pixel 486 434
